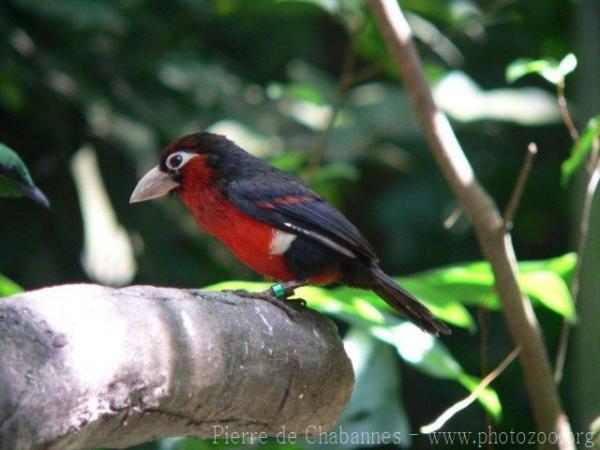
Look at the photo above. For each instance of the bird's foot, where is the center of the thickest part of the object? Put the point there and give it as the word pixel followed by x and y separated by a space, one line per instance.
pixel 270 296
pixel 283 291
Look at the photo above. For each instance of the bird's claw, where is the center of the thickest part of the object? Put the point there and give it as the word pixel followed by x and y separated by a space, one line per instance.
pixel 270 297
pixel 298 301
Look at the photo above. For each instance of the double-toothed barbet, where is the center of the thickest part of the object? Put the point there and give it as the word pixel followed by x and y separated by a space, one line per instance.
pixel 273 222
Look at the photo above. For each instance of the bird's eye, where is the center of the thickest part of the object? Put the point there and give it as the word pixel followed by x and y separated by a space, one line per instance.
pixel 177 160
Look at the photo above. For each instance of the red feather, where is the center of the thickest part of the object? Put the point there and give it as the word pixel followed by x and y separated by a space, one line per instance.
pixel 247 238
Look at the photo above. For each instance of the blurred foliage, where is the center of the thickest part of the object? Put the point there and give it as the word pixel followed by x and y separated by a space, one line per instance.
pixel 581 149
pixel 552 70
pixel 8 287
pixel 125 78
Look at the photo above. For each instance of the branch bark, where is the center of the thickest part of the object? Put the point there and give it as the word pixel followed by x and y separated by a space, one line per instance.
pixel 84 366
pixel 494 242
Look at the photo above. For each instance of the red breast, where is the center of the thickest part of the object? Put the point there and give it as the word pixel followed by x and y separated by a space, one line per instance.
pixel 250 240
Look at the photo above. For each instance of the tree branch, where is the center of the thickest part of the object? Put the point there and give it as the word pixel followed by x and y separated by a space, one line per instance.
pixel 495 244
pixel 84 366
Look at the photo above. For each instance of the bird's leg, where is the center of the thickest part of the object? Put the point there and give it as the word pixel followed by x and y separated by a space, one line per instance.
pixel 284 290
pixel 277 295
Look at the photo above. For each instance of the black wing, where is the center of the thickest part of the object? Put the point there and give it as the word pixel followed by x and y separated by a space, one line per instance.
pixel 286 203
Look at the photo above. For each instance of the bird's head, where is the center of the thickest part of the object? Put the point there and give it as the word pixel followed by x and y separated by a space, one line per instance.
pixel 188 158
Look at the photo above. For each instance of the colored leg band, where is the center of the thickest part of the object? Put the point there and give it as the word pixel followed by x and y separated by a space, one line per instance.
pixel 278 290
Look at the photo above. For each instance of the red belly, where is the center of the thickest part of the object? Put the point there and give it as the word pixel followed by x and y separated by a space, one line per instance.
pixel 247 238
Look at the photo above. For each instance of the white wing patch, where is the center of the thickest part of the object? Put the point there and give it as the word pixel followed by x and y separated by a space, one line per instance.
pixel 322 239
pixel 281 242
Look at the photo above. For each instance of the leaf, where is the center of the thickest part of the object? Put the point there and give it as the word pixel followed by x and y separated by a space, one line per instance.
pixel 473 283
pixel 580 149
pixel 523 66
pixel 567 65
pixel 550 290
pixel 8 287
pixel 15 180
pixel 561 265
pixel 429 355
pixel 550 69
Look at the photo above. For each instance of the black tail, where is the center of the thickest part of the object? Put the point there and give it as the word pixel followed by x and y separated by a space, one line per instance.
pixel 405 303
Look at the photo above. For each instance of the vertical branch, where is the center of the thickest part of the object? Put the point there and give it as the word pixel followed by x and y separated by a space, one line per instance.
pixel 495 243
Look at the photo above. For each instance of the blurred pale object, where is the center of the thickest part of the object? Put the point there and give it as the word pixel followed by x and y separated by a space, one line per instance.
pixel 108 256
pixel 252 141
pixel 464 100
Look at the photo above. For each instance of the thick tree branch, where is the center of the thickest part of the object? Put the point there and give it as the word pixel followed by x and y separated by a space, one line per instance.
pixel 84 366
pixel 496 245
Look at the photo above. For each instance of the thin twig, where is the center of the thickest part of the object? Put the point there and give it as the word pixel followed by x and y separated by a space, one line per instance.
pixel 584 224
pixel 459 406
pixel 483 315
pixel 564 110
pixel 454 216
pixel 517 193
pixel 318 152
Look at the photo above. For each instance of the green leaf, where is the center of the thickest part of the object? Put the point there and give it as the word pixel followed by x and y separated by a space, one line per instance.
pixel 15 180
pixel 550 290
pixel 430 356
pixel 523 66
pixel 567 65
pixel 8 287
pixel 550 69
pixel 306 92
pixel 563 266
pixel 473 283
pixel 580 149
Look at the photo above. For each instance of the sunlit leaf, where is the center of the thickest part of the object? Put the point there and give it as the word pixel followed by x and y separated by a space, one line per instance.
pixel 429 355
pixel 550 69
pixel 567 65
pixel 8 287
pixel 473 283
pixel 561 265
pixel 580 150
pixel 521 67
pixel 550 290
pixel 306 92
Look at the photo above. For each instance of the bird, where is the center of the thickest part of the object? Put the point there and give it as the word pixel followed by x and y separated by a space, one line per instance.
pixel 15 180
pixel 273 222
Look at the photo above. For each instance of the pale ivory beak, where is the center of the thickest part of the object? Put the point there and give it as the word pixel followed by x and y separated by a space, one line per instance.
pixel 154 184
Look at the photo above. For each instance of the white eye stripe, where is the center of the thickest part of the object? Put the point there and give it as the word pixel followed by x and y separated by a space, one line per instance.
pixel 177 160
